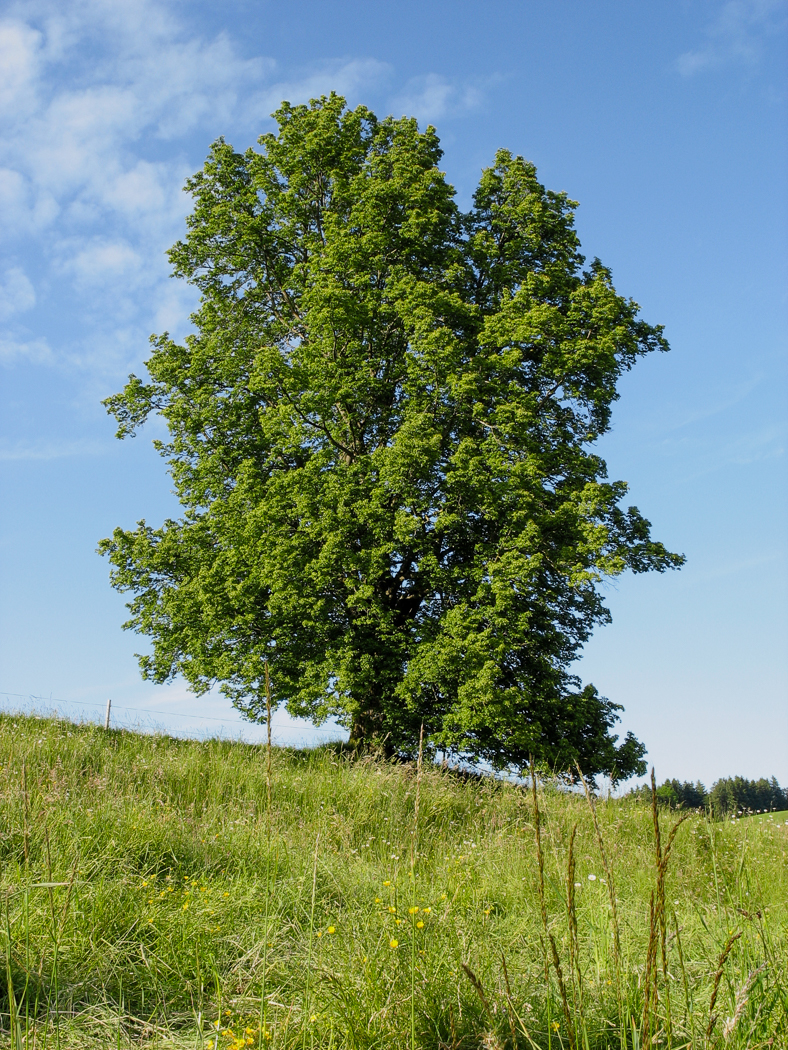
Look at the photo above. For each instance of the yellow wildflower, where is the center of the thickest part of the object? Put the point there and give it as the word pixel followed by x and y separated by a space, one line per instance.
pixel 393 942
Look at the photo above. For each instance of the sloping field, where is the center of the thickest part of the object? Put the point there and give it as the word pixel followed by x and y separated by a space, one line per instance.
pixel 151 893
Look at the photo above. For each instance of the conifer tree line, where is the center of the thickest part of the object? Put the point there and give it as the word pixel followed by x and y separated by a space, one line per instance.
pixel 727 796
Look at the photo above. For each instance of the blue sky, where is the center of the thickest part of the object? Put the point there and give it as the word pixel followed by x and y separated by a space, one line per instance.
pixel 665 121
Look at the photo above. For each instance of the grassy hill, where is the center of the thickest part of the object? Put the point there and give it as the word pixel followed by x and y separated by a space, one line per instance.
pixel 150 892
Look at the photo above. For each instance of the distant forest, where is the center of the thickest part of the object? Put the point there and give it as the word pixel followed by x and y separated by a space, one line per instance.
pixel 729 796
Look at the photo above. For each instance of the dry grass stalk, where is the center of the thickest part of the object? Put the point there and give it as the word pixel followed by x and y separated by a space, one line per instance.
pixel 742 997
pixel 661 873
pixel 574 942
pixel 264 989
pixel 26 800
pixel 454 1042
pixel 268 741
pixel 683 968
pixel 660 912
pixel 311 943
pixel 477 984
pixel 510 1005
pixel 413 855
pixel 13 1021
pixel 611 892
pixel 650 979
pixel 543 907
pixel 717 978
pixel 513 1014
pixel 658 909
pixel 414 833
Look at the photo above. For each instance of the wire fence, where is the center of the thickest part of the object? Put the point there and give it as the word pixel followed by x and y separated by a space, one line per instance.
pixel 156 721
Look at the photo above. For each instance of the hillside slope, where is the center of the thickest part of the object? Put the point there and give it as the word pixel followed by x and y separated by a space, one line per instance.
pixel 151 893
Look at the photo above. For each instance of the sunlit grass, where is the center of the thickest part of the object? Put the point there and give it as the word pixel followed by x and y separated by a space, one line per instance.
pixel 135 872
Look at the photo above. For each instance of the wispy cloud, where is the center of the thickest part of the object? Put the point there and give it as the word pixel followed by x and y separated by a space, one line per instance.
pixel 37 351
pixel 719 400
pixel 48 450
pixel 105 108
pixel 735 36
pixel 16 293
pixel 709 453
pixel 348 77
pixel 432 96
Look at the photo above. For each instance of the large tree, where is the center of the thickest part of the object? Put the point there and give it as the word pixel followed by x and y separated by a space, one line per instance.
pixel 381 433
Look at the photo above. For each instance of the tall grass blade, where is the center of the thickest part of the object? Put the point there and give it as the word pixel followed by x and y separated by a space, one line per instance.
pixel 543 908
pixel 732 938
pixel 611 892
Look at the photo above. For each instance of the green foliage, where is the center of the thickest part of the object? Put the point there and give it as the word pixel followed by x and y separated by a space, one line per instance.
pixel 380 433
pixel 163 854
pixel 675 794
pixel 739 795
pixel 728 796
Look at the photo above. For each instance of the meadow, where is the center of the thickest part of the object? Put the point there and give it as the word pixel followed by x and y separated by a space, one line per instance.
pixel 159 892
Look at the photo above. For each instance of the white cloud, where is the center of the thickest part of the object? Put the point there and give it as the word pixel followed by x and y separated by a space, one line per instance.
pixel 19 68
pixel 108 108
pixel 198 83
pixel 101 261
pixel 35 350
pixel 23 451
pixel 23 209
pixel 765 443
pixel 175 301
pixel 146 191
pixel 432 96
pixel 735 36
pixel 16 293
pixel 347 78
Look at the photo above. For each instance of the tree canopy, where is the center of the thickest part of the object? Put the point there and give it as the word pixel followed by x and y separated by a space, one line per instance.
pixel 381 432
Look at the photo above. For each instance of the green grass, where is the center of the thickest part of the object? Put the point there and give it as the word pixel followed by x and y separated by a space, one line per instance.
pixel 146 888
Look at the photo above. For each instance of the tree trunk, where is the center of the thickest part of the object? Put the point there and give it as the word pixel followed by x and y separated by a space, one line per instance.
pixel 366 732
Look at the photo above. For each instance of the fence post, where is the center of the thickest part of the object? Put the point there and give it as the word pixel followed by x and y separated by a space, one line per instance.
pixel 106 720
